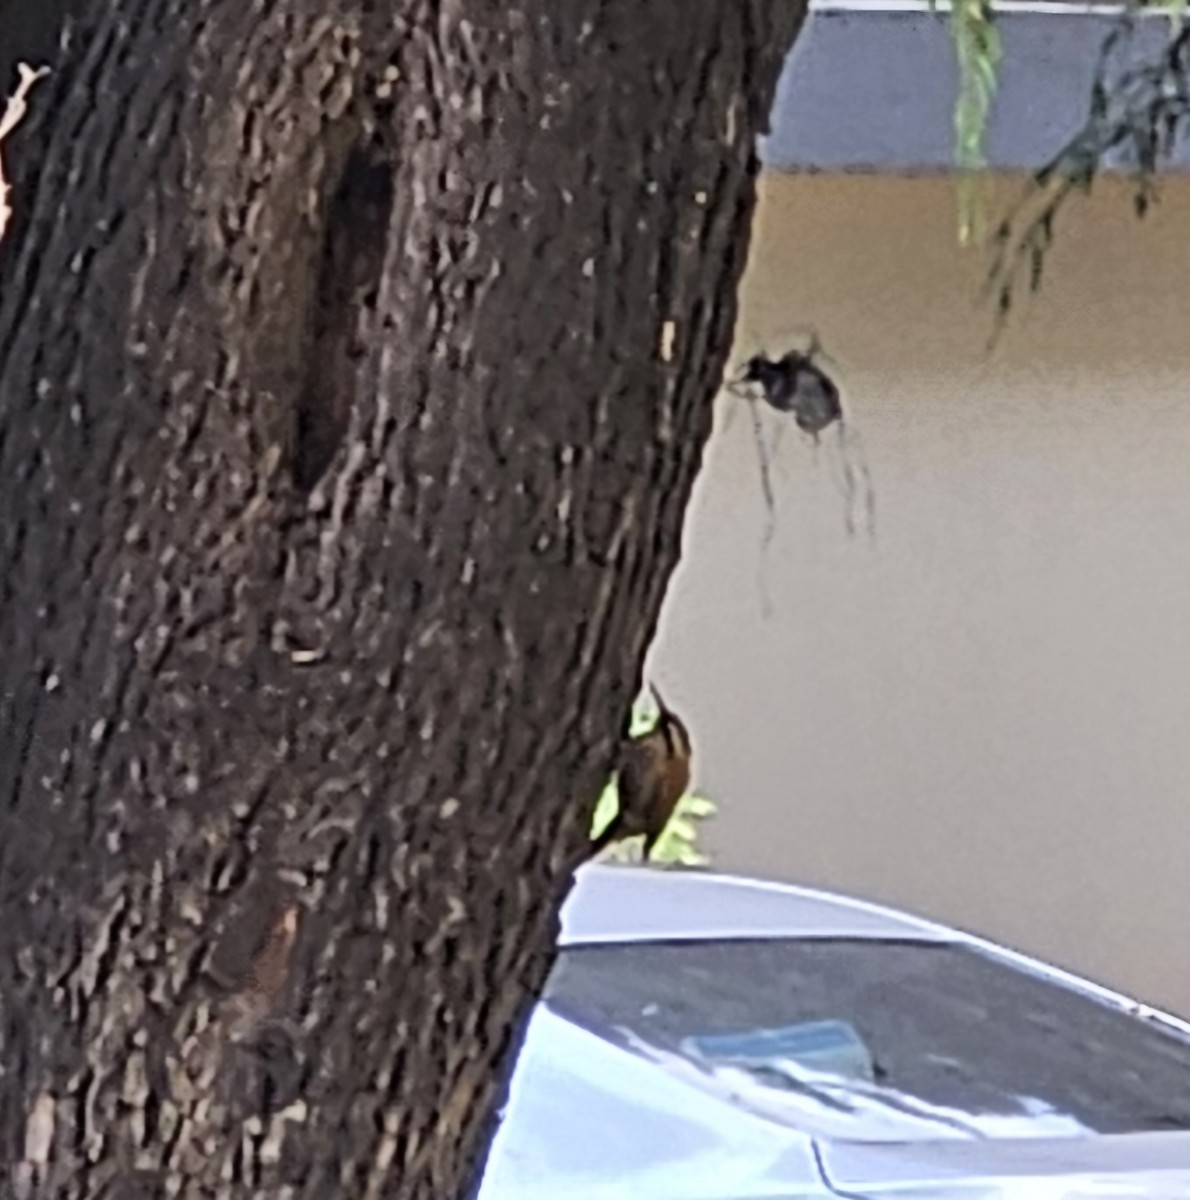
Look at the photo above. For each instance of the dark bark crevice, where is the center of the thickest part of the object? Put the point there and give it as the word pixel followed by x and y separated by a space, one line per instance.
pixel 343 307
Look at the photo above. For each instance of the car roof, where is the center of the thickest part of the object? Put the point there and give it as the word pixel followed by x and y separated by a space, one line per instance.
pixel 634 904
pixel 629 904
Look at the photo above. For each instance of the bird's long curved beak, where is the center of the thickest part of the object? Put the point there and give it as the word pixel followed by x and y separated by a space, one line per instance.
pixel 657 696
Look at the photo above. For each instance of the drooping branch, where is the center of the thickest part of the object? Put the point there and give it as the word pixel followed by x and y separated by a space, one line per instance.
pixel 1138 115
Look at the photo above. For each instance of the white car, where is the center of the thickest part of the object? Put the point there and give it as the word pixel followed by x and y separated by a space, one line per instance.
pixel 704 1037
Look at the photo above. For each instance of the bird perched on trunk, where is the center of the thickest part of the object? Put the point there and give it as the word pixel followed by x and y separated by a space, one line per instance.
pixel 652 776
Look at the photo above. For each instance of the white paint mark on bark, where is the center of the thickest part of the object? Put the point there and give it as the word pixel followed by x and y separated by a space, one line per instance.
pixel 302 657
pixel 39 1130
pixel 14 112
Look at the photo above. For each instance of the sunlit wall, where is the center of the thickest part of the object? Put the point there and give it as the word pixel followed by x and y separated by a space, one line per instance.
pixel 984 713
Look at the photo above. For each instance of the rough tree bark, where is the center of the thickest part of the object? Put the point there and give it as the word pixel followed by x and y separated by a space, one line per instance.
pixel 357 359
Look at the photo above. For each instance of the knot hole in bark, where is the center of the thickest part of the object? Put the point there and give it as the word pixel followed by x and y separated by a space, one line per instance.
pixel 348 274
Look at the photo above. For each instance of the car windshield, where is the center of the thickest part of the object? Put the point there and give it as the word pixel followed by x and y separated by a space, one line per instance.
pixel 880 1040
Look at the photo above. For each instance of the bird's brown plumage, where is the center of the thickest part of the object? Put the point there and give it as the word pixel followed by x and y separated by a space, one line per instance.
pixel 653 775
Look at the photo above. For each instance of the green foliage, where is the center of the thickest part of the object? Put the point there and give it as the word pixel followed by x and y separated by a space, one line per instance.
pixel 978 53
pixel 679 843
pixel 977 48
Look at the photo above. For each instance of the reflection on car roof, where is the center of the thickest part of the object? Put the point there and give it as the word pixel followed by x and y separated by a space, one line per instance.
pixel 634 904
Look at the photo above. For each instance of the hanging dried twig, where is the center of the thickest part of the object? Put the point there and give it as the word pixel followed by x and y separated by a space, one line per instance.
pixel 1138 115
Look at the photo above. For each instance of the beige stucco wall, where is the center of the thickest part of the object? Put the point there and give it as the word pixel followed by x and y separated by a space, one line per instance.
pixel 984 715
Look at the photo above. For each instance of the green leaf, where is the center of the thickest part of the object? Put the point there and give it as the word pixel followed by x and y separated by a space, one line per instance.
pixel 977 51
pixel 700 806
pixel 606 808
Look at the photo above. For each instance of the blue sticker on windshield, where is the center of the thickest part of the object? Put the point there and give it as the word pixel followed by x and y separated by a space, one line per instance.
pixel 832 1047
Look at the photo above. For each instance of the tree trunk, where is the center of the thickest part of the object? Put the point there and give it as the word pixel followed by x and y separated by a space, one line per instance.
pixel 355 373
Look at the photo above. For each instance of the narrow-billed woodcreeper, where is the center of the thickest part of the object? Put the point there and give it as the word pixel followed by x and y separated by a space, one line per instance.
pixel 652 776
